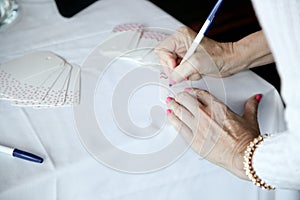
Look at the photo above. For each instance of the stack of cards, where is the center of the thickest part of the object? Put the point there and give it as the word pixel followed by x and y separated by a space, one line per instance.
pixel 41 79
pixel 132 41
pixel 136 42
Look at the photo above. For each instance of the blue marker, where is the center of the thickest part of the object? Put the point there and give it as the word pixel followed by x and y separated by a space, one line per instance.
pixel 21 154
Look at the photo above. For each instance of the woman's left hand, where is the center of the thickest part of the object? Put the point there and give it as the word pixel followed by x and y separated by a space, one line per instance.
pixel 214 131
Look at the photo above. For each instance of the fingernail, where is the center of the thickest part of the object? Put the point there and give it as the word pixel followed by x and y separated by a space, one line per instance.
pixel 258 97
pixel 187 89
pixel 171 82
pixel 168 111
pixel 169 99
pixel 186 79
pixel 170 64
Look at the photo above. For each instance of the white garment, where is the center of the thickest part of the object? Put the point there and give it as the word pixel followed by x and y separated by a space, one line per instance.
pixel 277 159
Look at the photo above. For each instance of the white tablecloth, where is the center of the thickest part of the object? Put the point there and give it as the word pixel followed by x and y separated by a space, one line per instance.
pixel 69 171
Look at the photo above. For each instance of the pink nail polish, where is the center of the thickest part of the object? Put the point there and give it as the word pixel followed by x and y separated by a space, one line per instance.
pixel 187 89
pixel 171 82
pixel 186 79
pixel 258 97
pixel 169 99
pixel 168 111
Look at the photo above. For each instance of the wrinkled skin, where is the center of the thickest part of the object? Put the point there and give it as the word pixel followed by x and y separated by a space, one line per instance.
pixel 214 131
pixel 211 58
pixel 207 59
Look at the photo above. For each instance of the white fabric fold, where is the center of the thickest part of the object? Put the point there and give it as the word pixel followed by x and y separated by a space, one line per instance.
pixel 277 159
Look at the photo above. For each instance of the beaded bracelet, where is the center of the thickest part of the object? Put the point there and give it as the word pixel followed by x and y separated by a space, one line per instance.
pixel 248 163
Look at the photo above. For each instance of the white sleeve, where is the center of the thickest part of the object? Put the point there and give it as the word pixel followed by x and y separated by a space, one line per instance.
pixel 277 159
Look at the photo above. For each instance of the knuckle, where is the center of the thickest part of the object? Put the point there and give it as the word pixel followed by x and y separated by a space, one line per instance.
pixel 200 110
pixel 183 29
pixel 177 109
pixel 172 104
pixel 203 92
pixel 182 97
pixel 191 65
pixel 195 76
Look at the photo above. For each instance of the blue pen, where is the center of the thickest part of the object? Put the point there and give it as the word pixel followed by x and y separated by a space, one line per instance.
pixel 21 154
pixel 202 31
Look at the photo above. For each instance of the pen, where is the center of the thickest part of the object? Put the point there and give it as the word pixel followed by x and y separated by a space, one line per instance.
pixel 20 154
pixel 201 33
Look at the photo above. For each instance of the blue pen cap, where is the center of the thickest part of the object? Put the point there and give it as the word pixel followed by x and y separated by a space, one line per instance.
pixel 212 14
pixel 27 156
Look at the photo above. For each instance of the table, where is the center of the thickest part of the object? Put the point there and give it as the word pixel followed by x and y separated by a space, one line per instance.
pixel 69 171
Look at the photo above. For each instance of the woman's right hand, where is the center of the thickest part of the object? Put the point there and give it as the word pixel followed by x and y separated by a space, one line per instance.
pixel 208 58
pixel 211 58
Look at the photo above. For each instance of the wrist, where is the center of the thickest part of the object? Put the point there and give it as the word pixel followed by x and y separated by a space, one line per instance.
pixel 248 167
pixel 238 157
pixel 235 58
pixel 252 51
pixel 229 58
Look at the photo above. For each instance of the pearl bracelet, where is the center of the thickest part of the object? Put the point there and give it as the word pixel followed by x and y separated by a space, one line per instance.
pixel 248 163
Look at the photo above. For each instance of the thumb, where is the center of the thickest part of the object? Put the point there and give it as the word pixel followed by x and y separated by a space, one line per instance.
pixel 183 71
pixel 194 77
pixel 250 113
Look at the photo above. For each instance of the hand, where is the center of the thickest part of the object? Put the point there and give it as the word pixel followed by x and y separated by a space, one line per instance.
pixel 207 59
pixel 211 58
pixel 214 131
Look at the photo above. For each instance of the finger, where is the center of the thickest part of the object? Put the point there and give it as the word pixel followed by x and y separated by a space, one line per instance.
pixel 199 63
pixel 167 45
pixel 212 106
pixel 194 77
pixel 182 72
pixel 179 41
pixel 167 59
pixel 181 112
pixel 167 70
pixel 181 127
pixel 190 102
pixel 250 112
pixel 203 96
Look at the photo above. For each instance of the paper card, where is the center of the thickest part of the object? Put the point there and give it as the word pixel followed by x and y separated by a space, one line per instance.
pixel 63 93
pixel 124 38
pixel 73 93
pixel 41 93
pixel 150 39
pixel 48 80
pixel 146 44
pixel 70 95
pixel 24 75
pixel 32 64
pixel 51 94
pixel 150 58
pixel 33 88
pixel 130 29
